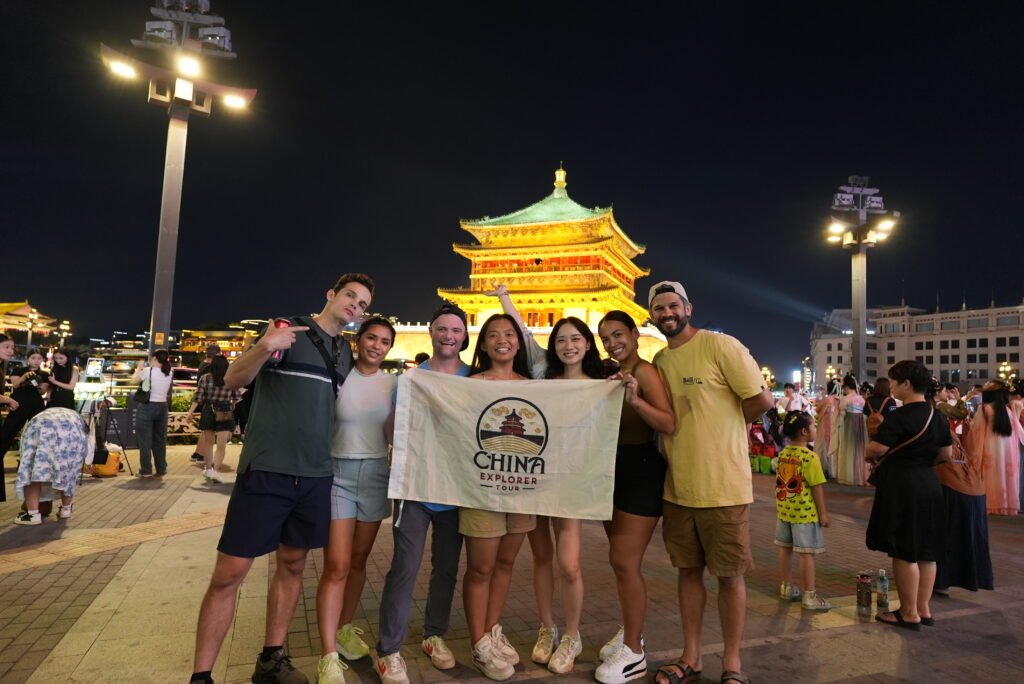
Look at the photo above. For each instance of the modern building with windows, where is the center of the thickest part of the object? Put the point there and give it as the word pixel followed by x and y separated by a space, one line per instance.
pixel 963 347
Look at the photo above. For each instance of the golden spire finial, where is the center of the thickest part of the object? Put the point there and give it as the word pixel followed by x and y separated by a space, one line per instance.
pixel 560 177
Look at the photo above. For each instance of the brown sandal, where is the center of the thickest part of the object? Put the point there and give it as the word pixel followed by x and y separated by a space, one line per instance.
pixel 680 673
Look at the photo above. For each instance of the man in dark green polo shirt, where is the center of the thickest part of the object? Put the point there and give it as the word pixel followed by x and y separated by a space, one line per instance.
pixel 281 498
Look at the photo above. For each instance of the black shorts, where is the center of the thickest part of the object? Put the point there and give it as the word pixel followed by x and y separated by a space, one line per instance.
pixel 639 479
pixel 269 509
pixel 208 421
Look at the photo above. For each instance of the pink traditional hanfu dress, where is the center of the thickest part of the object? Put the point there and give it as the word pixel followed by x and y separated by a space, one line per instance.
pixel 849 439
pixel 1002 469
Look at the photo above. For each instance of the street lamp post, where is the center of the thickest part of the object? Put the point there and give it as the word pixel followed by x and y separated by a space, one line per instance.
pixel 860 202
pixel 65 331
pixel 182 91
pixel 33 315
pixel 769 377
pixel 1006 372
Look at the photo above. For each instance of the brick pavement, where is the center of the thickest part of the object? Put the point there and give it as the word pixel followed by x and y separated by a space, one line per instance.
pixel 127 613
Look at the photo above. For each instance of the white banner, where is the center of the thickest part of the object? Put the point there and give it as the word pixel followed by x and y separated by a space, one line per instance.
pixel 529 446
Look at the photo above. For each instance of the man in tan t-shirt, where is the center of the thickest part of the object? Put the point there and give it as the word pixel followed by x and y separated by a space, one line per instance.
pixel 717 389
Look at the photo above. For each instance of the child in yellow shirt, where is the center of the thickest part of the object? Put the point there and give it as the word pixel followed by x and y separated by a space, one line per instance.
pixel 800 505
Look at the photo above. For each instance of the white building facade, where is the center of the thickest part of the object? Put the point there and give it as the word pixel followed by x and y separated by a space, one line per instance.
pixel 964 347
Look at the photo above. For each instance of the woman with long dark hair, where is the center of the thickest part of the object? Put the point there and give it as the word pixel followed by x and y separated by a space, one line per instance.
pixel 907 513
pixel 151 417
pixel 493 539
pixel 6 354
pixel 359 495
pixel 63 378
pixel 639 487
pixel 571 355
pixel 826 408
pixel 30 386
pixel 999 436
pixel 216 403
pixel 850 435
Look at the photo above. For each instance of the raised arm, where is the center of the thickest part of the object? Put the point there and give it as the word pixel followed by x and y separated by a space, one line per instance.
pixel 246 367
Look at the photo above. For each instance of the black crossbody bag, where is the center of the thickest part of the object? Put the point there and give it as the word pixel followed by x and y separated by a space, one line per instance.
pixel 331 363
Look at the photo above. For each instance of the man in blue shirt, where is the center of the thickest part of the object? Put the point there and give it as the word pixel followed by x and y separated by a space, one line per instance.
pixel 448 336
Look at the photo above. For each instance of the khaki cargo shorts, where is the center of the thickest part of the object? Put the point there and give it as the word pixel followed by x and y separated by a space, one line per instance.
pixel 718 538
pixel 490 524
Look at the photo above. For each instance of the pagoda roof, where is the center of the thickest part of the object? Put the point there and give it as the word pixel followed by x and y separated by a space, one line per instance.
pixel 557 207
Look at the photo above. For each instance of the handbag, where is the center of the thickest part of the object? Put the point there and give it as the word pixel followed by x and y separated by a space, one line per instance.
pixel 142 394
pixel 222 412
pixel 873 478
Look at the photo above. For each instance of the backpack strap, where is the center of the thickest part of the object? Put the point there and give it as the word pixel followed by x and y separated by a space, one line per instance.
pixel 329 361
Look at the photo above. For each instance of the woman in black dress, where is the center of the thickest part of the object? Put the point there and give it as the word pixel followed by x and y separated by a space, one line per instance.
pixel 63 378
pixel 907 514
pixel 6 354
pixel 30 385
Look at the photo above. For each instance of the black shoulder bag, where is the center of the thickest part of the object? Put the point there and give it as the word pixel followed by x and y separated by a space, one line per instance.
pixel 873 479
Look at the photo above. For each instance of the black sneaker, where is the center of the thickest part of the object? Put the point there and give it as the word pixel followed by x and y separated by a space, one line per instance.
pixel 196 457
pixel 277 670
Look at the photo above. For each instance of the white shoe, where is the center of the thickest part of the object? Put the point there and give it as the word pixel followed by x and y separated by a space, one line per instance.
pixel 391 669
pixel 440 655
pixel 789 592
pixel 564 657
pixel 623 666
pixel 812 601
pixel 26 518
pixel 612 646
pixel 65 511
pixel 545 645
pixel 503 647
pixel 212 475
pixel 489 661
pixel 330 670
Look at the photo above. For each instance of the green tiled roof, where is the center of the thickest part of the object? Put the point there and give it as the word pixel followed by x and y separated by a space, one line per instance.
pixel 555 207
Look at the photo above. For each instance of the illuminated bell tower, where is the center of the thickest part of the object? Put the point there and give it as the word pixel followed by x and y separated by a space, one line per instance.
pixel 558 259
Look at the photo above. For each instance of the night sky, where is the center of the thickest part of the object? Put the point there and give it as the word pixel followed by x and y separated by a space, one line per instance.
pixel 719 135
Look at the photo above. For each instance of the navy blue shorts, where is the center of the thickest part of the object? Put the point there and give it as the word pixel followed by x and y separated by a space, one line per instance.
pixel 270 509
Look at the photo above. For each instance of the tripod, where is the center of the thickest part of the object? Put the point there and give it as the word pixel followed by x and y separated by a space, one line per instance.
pixel 107 422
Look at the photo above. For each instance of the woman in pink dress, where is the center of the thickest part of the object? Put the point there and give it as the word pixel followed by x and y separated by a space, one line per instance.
pixel 998 432
pixel 826 410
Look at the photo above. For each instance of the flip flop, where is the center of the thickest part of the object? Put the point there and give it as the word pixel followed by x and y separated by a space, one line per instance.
pixel 689 675
pixel 734 676
pixel 899 622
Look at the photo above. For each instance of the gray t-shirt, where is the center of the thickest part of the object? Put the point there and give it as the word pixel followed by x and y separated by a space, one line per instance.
pixel 292 415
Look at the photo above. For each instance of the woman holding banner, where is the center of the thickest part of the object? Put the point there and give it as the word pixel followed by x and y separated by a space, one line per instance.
pixel 571 355
pixel 639 486
pixel 493 539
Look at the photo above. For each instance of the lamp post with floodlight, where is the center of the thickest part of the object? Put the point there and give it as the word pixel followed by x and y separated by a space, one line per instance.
pixel 857 235
pixel 187 32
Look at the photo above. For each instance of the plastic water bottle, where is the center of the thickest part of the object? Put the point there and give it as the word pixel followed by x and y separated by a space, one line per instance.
pixel 883 591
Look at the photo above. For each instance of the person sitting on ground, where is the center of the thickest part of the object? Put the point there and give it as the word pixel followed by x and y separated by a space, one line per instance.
pixel 800 505
pixel 54 445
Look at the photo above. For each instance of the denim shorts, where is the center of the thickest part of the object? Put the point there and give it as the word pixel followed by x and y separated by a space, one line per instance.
pixel 360 489
pixel 803 537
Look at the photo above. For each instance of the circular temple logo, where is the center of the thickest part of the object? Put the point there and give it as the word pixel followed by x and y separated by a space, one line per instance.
pixel 512 426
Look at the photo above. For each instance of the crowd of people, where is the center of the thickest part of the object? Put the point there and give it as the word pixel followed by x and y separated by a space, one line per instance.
pixel 314 470
pixel 52 435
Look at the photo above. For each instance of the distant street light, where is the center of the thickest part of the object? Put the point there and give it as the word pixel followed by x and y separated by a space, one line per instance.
pixel 65 331
pixel 1006 372
pixel 181 92
pixel 860 201
pixel 769 377
pixel 33 316
pixel 830 372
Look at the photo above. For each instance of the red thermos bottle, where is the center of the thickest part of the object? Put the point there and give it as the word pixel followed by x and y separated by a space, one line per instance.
pixel 280 323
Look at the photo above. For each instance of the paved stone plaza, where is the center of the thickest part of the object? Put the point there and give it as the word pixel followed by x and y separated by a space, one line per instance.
pixel 112 595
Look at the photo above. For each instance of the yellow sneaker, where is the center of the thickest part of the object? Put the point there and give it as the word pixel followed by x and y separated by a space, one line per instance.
pixel 350 643
pixel 330 670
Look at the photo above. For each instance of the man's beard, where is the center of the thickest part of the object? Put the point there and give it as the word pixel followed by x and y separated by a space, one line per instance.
pixel 681 322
